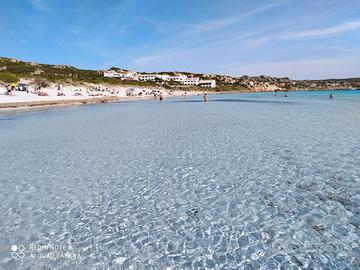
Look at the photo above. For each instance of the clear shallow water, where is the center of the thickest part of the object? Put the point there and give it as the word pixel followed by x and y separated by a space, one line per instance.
pixel 245 181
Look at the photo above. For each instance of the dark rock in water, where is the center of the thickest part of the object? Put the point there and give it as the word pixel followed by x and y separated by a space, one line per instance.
pixel 193 213
pixel 297 261
pixel 270 203
pixel 319 227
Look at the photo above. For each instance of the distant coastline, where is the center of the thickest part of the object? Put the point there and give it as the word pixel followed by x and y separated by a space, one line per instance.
pixel 28 105
pixel 29 84
pixel 14 71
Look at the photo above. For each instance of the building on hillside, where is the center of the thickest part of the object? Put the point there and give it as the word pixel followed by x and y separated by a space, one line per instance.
pixel 207 83
pixel 55 66
pixel 129 75
pixel 191 81
pixel 152 77
pixel 147 77
pixel 123 75
pixel 177 78
pixel 163 77
pixel 112 74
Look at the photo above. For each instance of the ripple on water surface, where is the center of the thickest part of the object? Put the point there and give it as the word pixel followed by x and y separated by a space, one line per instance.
pixel 240 182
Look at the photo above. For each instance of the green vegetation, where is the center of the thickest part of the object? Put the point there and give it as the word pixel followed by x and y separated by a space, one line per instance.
pixel 11 70
pixel 8 77
pixel 231 87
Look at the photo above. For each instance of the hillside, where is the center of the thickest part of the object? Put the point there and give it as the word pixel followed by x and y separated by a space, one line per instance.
pixel 12 70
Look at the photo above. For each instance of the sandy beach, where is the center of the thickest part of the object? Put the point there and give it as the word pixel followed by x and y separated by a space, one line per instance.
pixel 55 95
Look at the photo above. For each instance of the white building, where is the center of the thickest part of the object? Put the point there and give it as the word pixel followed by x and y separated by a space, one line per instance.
pixel 130 75
pixel 152 77
pixel 178 78
pixel 147 77
pixel 191 81
pixel 163 77
pixel 125 75
pixel 207 83
pixel 112 74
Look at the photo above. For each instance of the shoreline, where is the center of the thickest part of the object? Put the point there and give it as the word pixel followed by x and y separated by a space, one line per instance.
pixel 66 102
pixel 23 105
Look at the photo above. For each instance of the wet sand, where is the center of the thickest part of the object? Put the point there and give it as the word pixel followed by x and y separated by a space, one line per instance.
pixel 67 102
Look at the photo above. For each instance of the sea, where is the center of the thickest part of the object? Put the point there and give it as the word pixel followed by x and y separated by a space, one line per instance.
pixel 243 181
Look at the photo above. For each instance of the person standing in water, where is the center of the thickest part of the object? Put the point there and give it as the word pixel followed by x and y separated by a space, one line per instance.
pixel 205 97
pixel 331 96
pixel 161 97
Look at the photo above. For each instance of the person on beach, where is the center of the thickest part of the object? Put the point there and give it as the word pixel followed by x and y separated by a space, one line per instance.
pixel 8 90
pixel 205 97
pixel 331 96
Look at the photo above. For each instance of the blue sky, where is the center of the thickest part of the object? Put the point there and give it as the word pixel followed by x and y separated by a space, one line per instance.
pixel 301 39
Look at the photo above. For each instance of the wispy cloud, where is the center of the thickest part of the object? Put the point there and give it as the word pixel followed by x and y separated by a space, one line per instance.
pixel 310 68
pixel 39 5
pixel 340 48
pixel 197 42
pixel 326 31
pixel 307 33
pixel 216 24
pixel 144 61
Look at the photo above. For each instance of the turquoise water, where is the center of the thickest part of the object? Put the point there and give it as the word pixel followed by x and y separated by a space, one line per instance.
pixel 244 181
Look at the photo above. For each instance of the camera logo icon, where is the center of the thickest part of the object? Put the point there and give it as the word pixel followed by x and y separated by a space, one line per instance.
pixel 17 251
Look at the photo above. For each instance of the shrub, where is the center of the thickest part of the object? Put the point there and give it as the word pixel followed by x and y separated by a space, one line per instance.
pixel 41 83
pixel 8 77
